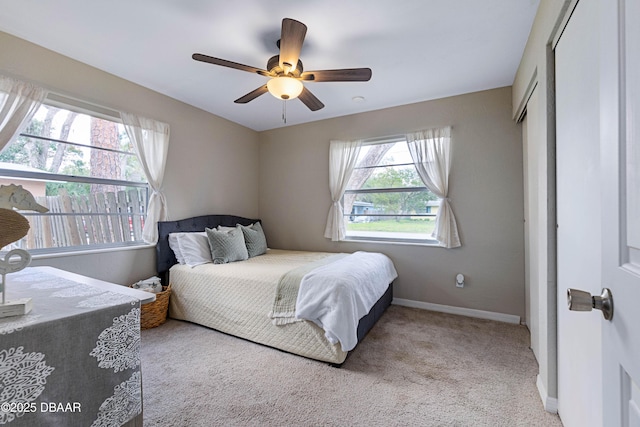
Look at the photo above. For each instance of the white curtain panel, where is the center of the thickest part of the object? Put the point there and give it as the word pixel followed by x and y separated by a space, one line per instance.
pixel 431 153
pixel 19 101
pixel 343 156
pixel 151 141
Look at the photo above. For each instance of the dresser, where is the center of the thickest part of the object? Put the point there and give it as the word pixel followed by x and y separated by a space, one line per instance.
pixel 74 359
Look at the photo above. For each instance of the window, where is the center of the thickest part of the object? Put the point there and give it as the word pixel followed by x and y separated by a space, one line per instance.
pixel 77 161
pixel 385 198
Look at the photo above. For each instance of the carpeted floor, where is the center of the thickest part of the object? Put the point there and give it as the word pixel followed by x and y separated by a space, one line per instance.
pixel 415 368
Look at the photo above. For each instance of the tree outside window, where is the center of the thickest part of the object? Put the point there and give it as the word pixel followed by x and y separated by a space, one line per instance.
pixel 84 169
pixel 385 197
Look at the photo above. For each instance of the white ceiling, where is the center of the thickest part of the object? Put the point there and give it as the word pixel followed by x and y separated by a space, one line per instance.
pixel 417 49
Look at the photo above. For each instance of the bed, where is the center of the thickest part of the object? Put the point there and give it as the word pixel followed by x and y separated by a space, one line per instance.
pixel 237 298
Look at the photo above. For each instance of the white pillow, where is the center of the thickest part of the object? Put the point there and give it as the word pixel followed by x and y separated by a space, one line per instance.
pixel 173 244
pixel 193 248
pixel 225 229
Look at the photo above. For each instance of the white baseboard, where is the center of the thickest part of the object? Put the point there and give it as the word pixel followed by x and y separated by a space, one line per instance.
pixel 550 403
pixel 469 312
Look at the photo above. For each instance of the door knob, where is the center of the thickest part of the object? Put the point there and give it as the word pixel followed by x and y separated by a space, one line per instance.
pixel 583 301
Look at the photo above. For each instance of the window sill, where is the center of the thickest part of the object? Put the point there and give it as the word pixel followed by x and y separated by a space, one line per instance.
pixel 429 243
pixel 76 252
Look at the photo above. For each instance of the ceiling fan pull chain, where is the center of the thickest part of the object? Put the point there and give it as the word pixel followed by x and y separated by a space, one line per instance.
pixel 284 112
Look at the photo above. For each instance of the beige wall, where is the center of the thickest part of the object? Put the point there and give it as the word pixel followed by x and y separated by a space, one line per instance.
pixel 212 165
pixel 216 166
pixel 486 192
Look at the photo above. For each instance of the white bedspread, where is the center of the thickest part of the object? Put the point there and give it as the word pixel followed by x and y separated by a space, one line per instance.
pixel 337 295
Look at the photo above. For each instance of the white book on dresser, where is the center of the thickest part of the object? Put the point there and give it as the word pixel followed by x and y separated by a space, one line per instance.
pixel 16 307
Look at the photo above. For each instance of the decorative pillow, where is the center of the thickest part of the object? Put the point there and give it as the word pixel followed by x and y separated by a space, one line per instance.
pixel 227 246
pixel 254 239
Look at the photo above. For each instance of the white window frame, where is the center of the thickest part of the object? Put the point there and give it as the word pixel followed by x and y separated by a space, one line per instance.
pixel 351 236
pixel 75 105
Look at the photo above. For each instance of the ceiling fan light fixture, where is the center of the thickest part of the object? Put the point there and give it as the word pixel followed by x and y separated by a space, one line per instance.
pixel 285 70
pixel 284 87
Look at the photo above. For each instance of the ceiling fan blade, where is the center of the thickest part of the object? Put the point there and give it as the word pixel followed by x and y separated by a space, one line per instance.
pixel 230 64
pixel 291 40
pixel 310 100
pixel 252 95
pixel 343 75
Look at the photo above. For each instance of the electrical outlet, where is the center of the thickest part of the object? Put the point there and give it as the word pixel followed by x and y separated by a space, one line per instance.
pixel 460 281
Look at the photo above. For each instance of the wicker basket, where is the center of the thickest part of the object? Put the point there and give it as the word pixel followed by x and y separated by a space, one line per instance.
pixel 155 313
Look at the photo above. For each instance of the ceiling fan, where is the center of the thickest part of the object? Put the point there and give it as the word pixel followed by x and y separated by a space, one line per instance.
pixel 285 70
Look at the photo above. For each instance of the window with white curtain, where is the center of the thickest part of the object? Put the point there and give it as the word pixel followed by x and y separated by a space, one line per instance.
pixel 385 198
pixel 77 161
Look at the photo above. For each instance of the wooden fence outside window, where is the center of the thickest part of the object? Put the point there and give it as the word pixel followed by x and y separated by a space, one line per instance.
pixel 96 219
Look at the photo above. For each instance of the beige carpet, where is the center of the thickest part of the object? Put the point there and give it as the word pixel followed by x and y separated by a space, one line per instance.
pixel 415 367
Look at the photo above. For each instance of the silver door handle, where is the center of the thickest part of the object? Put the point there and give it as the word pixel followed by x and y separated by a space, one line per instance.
pixel 583 301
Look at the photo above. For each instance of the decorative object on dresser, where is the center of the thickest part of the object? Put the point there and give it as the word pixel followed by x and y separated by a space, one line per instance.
pixel 13 227
pixel 255 298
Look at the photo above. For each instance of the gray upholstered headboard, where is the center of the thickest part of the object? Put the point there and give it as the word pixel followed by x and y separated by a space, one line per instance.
pixel 165 257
